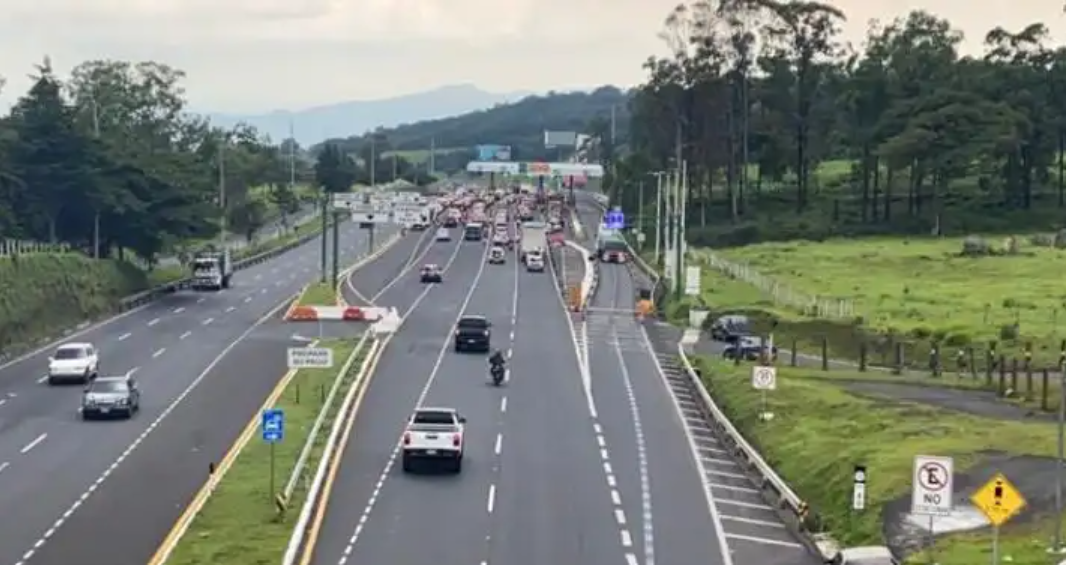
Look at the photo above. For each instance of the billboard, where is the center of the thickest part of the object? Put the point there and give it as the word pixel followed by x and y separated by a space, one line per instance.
pixel 559 139
pixel 493 152
pixel 578 170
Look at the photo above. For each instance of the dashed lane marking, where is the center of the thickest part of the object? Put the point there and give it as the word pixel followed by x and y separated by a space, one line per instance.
pixel 124 336
pixel 37 441
pixel 153 322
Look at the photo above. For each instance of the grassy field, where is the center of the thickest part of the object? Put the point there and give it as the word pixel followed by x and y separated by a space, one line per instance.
pixel 239 523
pixel 816 454
pixel 920 291
pixel 318 294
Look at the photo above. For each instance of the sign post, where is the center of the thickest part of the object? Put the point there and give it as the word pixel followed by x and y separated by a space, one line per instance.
pixel 762 380
pixel 999 501
pixel 932 485
pixel 273 432
pixel 858 489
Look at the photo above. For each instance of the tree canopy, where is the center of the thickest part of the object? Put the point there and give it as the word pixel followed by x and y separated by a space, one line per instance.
pixel 787 130
pixel 113 145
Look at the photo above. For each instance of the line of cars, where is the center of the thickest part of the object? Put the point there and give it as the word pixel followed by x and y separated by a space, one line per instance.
pixel 102 396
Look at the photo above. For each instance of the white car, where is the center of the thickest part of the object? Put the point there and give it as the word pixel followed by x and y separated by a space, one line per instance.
pixel 434 435
pixel 443 234
pixel 79 362
pixel 535 262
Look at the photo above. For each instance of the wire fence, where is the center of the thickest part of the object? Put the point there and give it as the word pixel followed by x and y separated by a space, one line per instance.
pixel 12 247
pixel 781 293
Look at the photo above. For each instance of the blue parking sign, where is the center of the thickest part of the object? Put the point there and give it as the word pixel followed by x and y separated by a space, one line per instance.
pixel 614 220
pixel 273 425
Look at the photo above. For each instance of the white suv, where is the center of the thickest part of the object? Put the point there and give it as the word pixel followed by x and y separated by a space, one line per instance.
pixel 73 362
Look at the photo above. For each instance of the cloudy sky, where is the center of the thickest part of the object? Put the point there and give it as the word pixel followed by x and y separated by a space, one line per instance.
pixel 260 55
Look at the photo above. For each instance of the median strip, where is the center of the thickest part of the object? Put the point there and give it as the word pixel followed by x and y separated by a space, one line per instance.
pixel 245 519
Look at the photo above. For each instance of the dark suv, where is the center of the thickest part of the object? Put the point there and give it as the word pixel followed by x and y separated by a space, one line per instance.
pixel 473 333
pixel 730 328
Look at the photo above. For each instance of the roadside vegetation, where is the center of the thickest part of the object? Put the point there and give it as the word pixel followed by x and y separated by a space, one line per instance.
pixel 240 523
pixel 318 294
pixel 896 202
pixel 817 455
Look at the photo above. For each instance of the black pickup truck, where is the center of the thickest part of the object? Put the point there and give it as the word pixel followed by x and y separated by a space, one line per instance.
pixel 473 333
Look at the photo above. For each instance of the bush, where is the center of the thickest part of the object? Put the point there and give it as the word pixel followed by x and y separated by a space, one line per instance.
pixel 975 246
pixel 41 295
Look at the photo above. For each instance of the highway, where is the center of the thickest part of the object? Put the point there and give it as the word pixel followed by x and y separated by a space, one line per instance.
pixel 107 492
pixel 693 503
pixel 548 477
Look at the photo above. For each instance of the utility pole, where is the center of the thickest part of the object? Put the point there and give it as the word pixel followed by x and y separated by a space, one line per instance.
pixel 373 160
pixel 325 232
pixel 1059 463
pixel 222 190
pixel 336 245
pixel 682 197
pixel 432 156
pixel 658 215
pixel 96 216
pixel 668 231
pixel 640 215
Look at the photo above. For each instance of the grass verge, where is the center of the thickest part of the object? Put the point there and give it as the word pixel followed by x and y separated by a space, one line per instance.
pixel 44 294
pixel 815 453
pixel 318 294
pixel 917 294
pixel 239 523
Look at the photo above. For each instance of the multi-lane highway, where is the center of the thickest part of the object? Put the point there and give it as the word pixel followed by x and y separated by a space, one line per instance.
pixel 582 456
pixel 107 492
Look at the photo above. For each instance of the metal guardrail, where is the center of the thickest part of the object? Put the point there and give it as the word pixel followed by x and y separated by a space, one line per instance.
pixel 152 294
pixel 787 498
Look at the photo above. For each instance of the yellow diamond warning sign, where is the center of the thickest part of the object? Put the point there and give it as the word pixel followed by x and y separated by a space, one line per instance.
pixel 998 500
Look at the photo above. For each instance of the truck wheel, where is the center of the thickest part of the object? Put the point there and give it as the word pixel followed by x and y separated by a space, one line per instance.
pixel 457 465
pixel 408 467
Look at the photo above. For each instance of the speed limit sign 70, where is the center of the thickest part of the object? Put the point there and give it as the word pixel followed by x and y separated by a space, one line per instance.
pixel 764 378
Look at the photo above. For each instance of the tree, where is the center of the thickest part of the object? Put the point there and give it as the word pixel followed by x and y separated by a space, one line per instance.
pixel 334 170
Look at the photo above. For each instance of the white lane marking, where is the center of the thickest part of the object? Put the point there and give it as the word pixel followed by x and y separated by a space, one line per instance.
pixel 201 301
pixel 247 299
pixel 153 322
pixel 581 348
pixel 492 499
pixel 33 444
pixel 3 401
pixel 627 540
pixel 4 465
pixel 208 321
pixel 412 260
pixel 752 521
pixel 159 352
pixel 616 499
pixel 503 404
pixel 755 539
pixel 499 444
pixel 631 559
pixel 42 379
pixel 620 516
pixel 132 371
pixel 447 342
pixel 230 309
pixel 257 277
pixel 179 309
pixel 647 520
pixel 712 508
pixel 79 501
pixel 185 335
pixel 124 336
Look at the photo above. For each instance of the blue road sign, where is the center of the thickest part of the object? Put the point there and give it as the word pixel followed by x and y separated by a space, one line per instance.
pixel 273 425
pixel 614 220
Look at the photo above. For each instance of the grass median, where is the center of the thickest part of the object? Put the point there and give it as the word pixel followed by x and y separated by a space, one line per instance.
pixel 240 523
pixel 820 430
pixel 318 294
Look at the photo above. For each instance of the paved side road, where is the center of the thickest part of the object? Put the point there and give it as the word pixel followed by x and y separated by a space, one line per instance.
pixel 205 361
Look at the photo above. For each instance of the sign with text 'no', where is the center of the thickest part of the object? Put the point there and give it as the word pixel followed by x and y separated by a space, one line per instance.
pixel 932 485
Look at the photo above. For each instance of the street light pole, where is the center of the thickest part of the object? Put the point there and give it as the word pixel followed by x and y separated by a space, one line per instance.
pixel 658 215
pixel 373 161
pixel 96 216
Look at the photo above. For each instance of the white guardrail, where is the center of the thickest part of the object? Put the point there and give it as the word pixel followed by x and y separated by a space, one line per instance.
pixel 299 531
pixel 787 499
pixel 305 452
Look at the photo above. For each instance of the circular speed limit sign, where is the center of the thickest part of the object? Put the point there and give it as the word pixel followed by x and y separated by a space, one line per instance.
pixel 764 378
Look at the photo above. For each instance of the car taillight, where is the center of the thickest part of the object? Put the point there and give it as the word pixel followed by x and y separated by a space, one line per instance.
pixel 407 438
pixel 456 439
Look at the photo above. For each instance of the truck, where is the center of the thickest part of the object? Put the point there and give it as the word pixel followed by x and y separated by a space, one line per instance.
pixel 611 247
pixel 534 237
pixel 211 270
pixel 434 435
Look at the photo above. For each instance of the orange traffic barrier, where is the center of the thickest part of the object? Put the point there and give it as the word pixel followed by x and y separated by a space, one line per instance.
pixel 303 314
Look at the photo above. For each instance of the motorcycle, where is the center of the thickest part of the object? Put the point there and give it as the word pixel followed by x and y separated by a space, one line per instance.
pixel 498 372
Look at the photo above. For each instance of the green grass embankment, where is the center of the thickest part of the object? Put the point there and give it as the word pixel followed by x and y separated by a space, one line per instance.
pixel 43 294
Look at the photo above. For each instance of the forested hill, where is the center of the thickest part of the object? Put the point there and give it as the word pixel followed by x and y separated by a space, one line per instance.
pixel 519 125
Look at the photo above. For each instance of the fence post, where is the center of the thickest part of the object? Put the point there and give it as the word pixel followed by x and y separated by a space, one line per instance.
pixel 990 361
pixel 825 353
pixel 934 359
pixel 1002 375
pixel 973 362
pixel 862 355
pixel 1043 391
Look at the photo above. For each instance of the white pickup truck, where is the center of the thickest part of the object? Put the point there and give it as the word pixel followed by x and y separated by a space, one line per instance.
pixel 434 435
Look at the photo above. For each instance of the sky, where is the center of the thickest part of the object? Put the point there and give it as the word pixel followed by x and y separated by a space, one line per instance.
pixel 249 56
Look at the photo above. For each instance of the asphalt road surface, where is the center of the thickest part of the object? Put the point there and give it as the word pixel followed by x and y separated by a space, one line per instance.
pixel 694 504
pixel 108 492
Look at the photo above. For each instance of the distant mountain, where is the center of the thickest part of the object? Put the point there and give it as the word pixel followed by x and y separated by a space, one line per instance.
pixel 356 117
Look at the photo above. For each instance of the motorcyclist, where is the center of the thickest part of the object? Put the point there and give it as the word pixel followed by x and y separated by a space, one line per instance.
pixel 497 360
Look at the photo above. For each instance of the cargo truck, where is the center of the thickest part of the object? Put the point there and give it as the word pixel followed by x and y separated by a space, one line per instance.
pixel 534 238
pixel 211 270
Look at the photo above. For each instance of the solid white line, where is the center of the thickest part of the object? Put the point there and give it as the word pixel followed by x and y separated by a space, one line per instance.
pixel 499 443
pixel 33 443
pixel 764 540
pixel 728 502
pixel 725 474
pixel 492 498
pixel 752 521
pixel 735 489
pixel 132 371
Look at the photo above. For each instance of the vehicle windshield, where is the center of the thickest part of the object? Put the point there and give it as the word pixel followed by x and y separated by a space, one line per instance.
pixel 474 323
pixel 70 353
pixel 108 386
pixel 614 245
pixel 433 417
